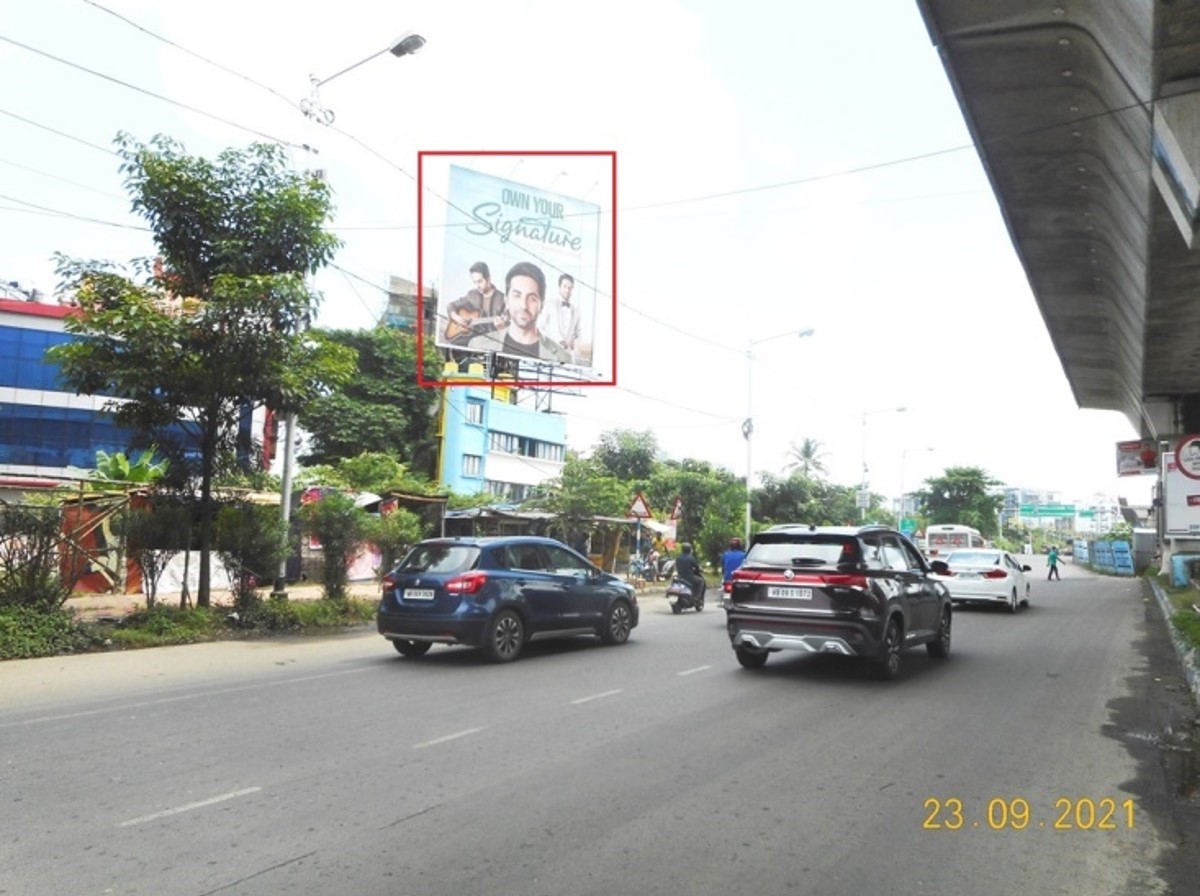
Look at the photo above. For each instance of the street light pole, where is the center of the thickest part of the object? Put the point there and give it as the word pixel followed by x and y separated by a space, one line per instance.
pixel 748 423
pixel 862 510
pixel 405 45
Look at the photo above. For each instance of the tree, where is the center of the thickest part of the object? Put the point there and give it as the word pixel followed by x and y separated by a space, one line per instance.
pixel 796 499
pixel 583 490
pixel 218 326
pixel 805 459
pixel 340 526
pixel 382 408
pixel 629 456
pixel 964 495
pixel 713 500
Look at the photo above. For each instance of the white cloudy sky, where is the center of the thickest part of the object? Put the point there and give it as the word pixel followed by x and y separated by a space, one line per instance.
pixel 780 167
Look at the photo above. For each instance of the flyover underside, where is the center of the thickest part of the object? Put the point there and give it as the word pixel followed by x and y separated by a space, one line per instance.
pixel 1087 120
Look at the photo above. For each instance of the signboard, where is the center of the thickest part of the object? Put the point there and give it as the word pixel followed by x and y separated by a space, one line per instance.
pixel 1187 456
pixel 520 269
pixel 1137 458
pixel 908 526
pixel 1181 500
pixel 639 508
pixel 862 499
pixel 1044 510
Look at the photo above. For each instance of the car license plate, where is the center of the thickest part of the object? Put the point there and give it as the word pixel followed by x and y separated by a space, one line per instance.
pixel 968 575
pixel 418 594
pixel 789 593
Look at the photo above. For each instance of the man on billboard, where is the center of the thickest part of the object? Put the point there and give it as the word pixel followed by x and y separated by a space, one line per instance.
pixel 481 310
pixel 525 290
pixel 560 321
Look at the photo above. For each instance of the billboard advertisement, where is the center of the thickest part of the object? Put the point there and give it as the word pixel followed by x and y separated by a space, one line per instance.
pixel 519 271
pixel 1138 457
pixel 1181 499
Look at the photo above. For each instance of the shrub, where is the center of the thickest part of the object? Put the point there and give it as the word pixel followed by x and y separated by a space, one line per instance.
pixel 27 632
pixel 29 557
pixel 339 526
pixel 251 542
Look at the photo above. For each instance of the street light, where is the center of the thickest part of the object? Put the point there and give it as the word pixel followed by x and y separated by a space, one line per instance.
pixel 748 423
pixel 405 45
pixel 863 498
pixel 903 458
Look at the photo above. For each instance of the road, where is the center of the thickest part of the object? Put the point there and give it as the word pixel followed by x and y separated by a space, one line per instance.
pixel 332 766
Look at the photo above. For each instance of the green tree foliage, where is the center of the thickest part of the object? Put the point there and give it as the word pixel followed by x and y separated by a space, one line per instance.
pixel 251 542
pixel 340 527
pixel 393 534
pixel 366 472
pixel 584 489
pixel 963 495
pixel 806 459
pixel 798 499
pixel 153 535
pixel 627 455
pixel 713 502
pixel 220 326
pixel 381 409
pixel 116 467
pixel 30 563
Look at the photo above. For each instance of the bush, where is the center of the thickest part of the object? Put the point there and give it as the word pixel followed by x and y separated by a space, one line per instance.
pixel 339 526
pixel 27 632
pixel 251 542
pixel 29 557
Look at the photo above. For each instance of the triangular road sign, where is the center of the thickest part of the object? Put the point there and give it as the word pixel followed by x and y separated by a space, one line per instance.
pixel 639 508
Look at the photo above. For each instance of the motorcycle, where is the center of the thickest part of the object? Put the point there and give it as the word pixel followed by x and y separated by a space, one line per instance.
pixel 683 596
pixel 666 568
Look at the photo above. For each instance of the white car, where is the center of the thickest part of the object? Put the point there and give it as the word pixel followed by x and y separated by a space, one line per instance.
pixel 986 576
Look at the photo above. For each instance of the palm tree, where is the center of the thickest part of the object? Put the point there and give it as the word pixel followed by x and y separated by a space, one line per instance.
pixel 805 458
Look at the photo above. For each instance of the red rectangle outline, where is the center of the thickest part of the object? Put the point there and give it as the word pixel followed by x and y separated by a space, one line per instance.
pixel 444 383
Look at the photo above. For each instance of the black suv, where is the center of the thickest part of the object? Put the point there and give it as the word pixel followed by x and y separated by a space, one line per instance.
pixel 499 593
pixel 853 590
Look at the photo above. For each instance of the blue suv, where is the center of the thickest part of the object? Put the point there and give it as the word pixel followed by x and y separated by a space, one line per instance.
pixel 498 594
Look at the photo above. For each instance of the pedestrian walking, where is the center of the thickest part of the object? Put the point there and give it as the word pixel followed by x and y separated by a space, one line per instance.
pixel 1052 562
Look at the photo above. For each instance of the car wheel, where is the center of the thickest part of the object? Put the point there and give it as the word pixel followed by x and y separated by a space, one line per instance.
pixel 752 658
pixel 505 637
pixel 1013 604
pixel 617 624
pixel 887 666
pixel 676 608
pixel 941 647
pixel 1025 602
pixel 412 648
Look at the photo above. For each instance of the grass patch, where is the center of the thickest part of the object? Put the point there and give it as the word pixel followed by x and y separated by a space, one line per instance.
pixel 27 633
pixel 1182 598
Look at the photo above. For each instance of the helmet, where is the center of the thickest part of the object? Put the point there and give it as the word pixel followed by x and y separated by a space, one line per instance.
pixel 686 547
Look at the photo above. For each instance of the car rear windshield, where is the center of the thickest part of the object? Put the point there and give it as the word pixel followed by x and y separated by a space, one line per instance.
pixel 792 549
pixel 973 558
pixel 440 558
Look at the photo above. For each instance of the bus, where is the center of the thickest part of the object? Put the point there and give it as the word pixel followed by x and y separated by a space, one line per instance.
pixel 941 540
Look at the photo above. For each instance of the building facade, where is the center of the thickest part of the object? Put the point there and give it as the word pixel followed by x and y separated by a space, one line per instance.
pixel 494 440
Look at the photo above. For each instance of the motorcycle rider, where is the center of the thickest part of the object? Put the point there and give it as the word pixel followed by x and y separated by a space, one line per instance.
pixel 687 567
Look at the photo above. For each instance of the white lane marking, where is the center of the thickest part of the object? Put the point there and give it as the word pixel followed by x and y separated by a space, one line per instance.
pixel 200 694
pixel 595 697
pixel 693 671
pixel 233 794
pixel 448 737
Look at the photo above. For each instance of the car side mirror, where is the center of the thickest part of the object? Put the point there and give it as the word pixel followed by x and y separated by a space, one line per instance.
pixel 939 566
pixel 1026 568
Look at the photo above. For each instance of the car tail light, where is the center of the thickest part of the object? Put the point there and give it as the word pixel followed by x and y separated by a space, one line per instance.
pixel 856 582
pixel 388 583
pixel 995 574
pixel 467 583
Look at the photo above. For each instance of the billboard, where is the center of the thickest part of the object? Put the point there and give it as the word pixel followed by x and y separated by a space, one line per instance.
pixel 1138 457
pixel 519 271
pixel 1181 500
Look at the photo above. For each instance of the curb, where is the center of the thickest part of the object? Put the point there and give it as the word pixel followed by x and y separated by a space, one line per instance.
pixel 1186 653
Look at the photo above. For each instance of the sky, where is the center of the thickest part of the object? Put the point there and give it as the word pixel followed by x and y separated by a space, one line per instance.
pixel 780 167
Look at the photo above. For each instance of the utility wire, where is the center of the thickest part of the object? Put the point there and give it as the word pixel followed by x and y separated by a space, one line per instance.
pixel 150 93
pixel 44 127
pixel 195 55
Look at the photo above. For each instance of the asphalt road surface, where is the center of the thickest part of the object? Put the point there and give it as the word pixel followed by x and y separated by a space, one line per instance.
pixel 1049 755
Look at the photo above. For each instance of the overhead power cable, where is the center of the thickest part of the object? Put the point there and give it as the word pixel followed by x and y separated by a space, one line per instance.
pixel 150 93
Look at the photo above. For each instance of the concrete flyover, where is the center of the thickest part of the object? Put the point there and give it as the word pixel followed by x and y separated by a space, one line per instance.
pixel 1086 115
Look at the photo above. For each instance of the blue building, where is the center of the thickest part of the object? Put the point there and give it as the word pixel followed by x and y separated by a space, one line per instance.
pixel 495 440
pixel 44 430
